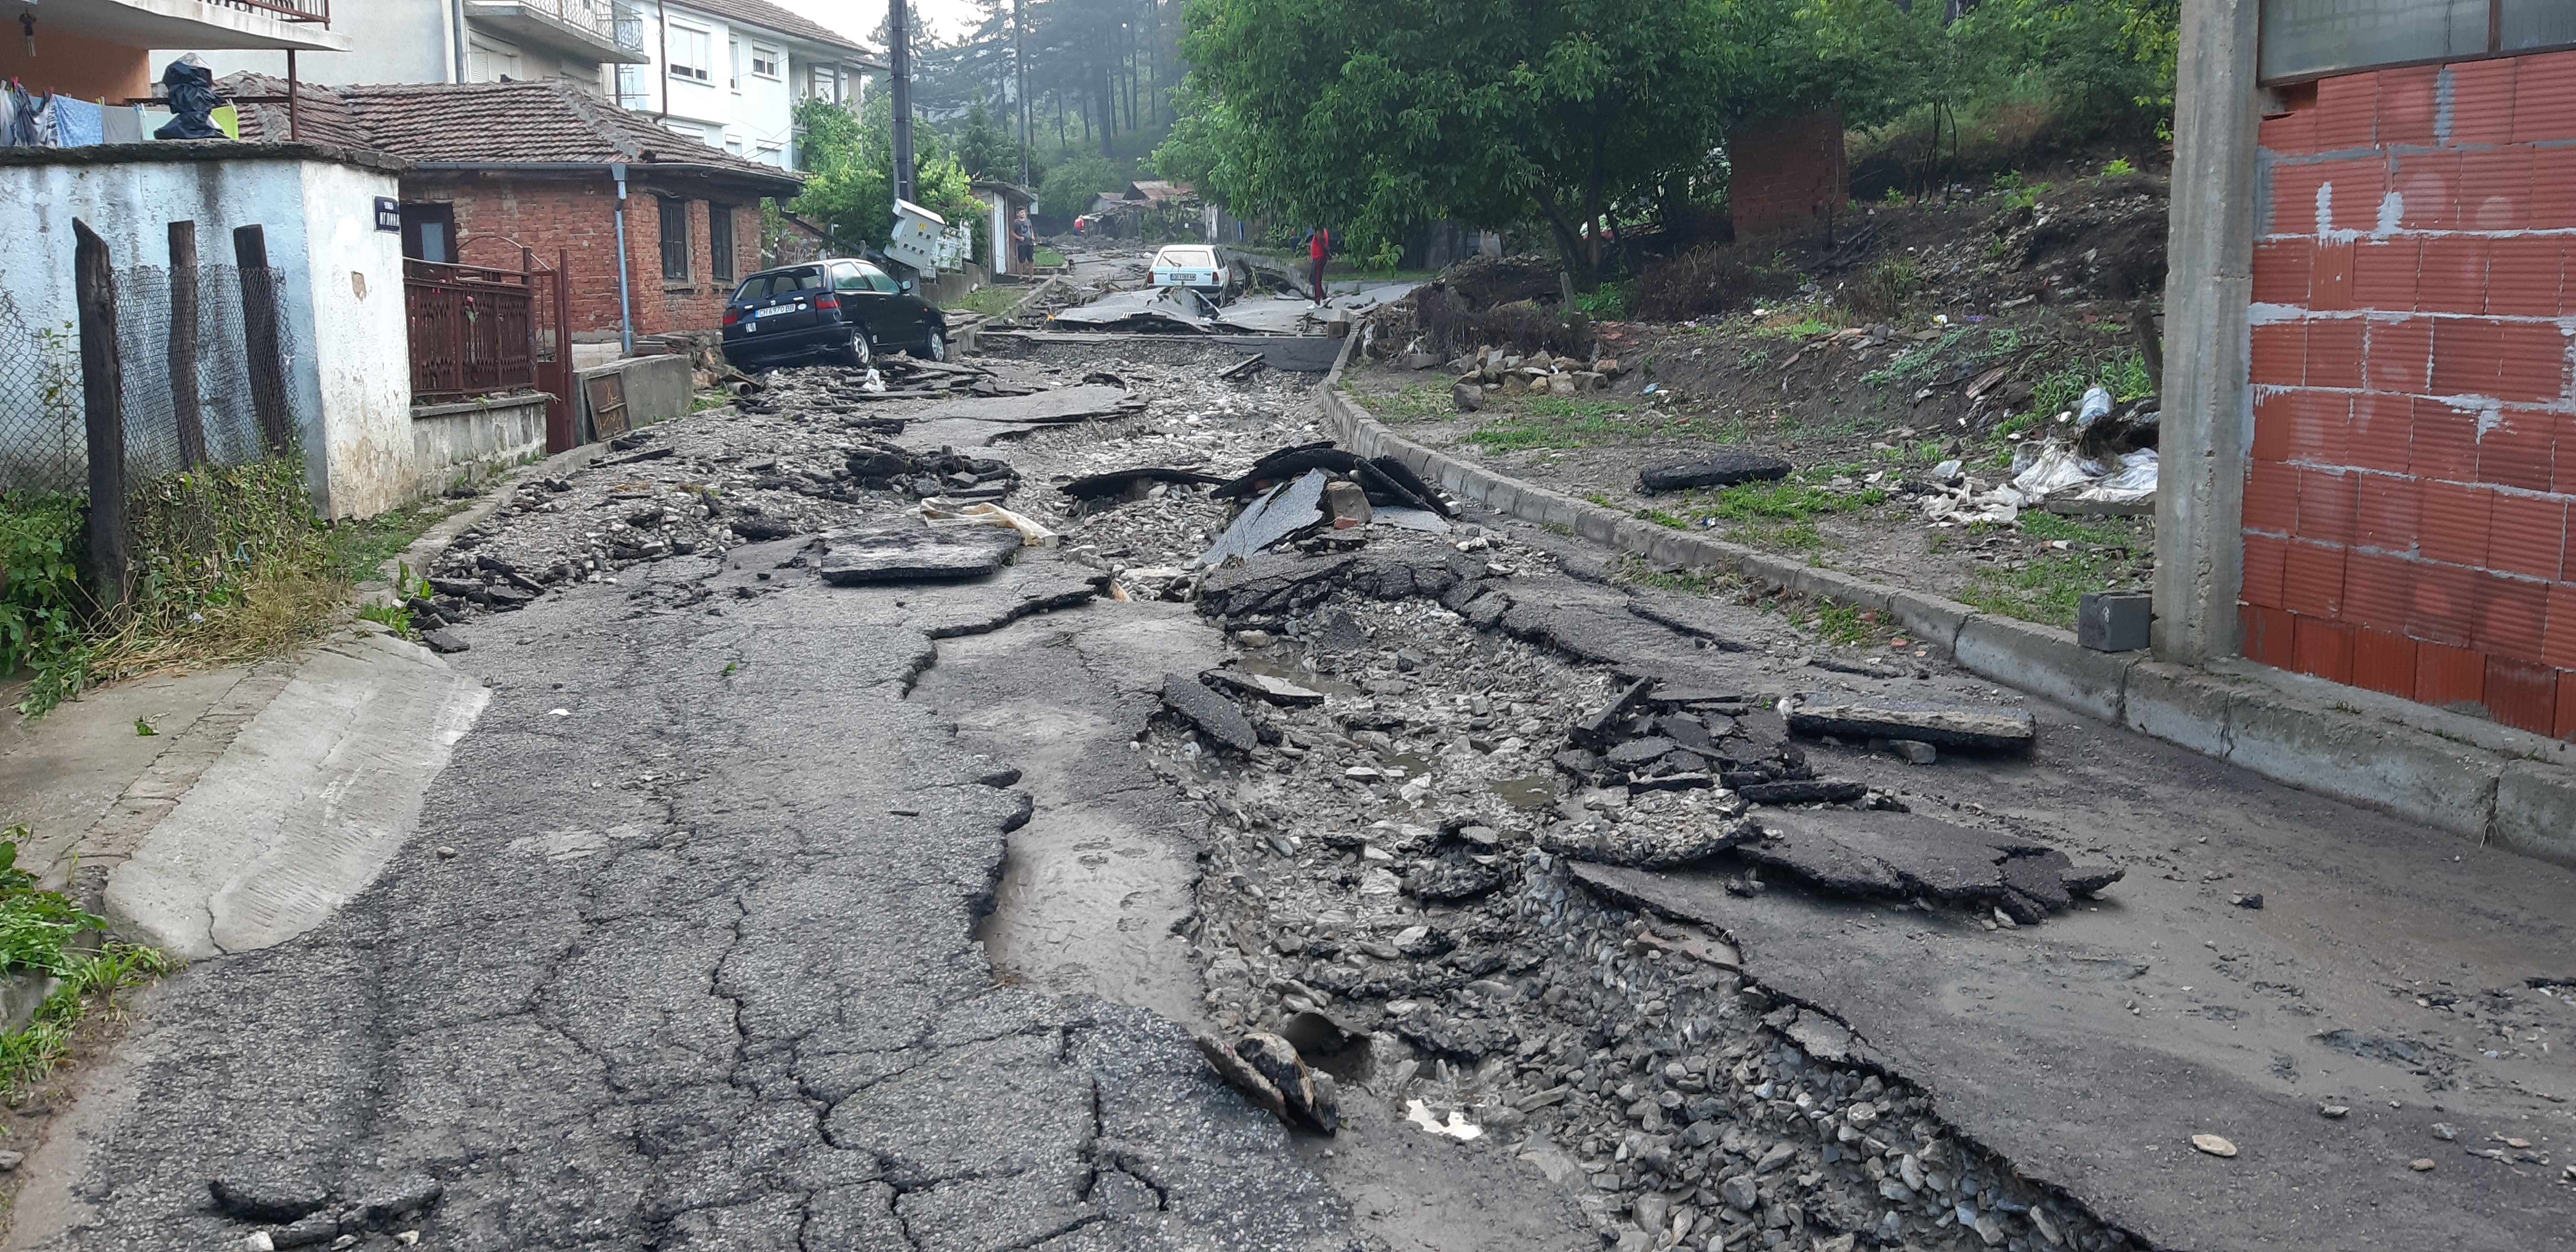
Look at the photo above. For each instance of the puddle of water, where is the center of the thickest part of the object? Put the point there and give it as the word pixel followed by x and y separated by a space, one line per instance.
pixel 1536 791
pixel 1283 664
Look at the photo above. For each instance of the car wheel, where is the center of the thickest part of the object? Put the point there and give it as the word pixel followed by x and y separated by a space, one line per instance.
pixel 935 347
pixel 860 354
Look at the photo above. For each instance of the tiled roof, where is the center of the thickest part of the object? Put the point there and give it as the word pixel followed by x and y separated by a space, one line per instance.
pixel 546 122
pixel 767 16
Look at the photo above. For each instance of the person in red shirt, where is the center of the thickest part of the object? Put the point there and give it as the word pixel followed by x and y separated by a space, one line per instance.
pixel 1319 247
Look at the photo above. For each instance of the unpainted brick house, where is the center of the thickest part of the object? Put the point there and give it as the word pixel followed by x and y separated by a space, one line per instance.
pixel 1787 174
pixel 2413 425
pixel 498 166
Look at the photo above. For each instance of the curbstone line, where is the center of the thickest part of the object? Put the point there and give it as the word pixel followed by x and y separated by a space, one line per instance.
pixel 2526 806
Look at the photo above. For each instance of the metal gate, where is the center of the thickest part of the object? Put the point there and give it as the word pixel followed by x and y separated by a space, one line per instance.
pixel 479 331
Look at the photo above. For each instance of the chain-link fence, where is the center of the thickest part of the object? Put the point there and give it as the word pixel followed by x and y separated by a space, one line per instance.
pixel 204 365
pixel 215 415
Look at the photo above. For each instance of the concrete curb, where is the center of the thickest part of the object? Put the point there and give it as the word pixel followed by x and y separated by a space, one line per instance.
pixel 966 338
pixel 2483 782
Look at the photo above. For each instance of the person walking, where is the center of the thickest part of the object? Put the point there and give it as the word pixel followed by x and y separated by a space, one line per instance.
pixel 1319 248
pixel 1024 242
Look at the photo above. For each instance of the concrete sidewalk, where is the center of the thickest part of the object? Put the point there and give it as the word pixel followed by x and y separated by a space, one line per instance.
pixel 265 796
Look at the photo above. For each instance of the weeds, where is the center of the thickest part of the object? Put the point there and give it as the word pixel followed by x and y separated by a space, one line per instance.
pixel 1557 422
pixel 1845 625
pixel 2048 585
pixel 1418 402
pixel 2017 193
pixel 1915 363
pixel 36 932
pixel 1633 570
pixel 392 615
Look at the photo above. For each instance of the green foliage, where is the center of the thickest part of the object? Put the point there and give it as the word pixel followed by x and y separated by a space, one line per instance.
pixel 2118 167
pixel 392 615
pixel 42 603
pixel 1609 301
pixel 1556 422
pixel 1070 187
pixel 1634 570
pixel 143 729
pixel 849 184
pixel 1915 363
pixel 2018 193
pixel 1843 625
pixel 1373 118
pixel 984 149
pixel 1048 257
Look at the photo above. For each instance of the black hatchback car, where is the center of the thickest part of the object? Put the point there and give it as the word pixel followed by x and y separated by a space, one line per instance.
pixel 843 311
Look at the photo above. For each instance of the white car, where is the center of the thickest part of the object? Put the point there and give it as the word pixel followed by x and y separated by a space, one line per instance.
pixel 1200 267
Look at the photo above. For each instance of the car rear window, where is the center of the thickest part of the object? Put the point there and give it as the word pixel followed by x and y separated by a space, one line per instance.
pixel 1188 258
pixel 784 282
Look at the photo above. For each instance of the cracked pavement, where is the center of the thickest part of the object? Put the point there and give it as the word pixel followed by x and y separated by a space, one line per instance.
pixel 699 975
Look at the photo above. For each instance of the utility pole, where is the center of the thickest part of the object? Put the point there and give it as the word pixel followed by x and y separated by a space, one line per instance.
pixel 899 61
pixel 1020 65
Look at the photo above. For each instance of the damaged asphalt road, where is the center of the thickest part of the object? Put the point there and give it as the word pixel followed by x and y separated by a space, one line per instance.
pixel 787 915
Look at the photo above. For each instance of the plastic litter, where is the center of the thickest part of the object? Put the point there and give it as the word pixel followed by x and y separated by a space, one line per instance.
pixel 875 385
pixel 1458 1127
pixel 2135 480
pixel 2097 405
pixel 940 516
pixel 2041 470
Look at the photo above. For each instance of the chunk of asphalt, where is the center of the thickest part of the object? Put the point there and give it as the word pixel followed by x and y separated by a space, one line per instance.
pixel 1601 728
pixel 1724 467
pixel 442 642
pixel 912 552
pixel 267 1196
pixel 1637 752
pixel 1289 508
pixel 1941 725
pixel 1128 482
pixel 1214 715
pixel 1819 791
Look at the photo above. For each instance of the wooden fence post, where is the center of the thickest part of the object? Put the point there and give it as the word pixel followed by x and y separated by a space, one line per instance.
pixel 103 408
pixel 262 353
pixel 184 400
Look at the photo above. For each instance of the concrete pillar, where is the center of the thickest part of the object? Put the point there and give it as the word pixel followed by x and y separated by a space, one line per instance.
pixel 2208 408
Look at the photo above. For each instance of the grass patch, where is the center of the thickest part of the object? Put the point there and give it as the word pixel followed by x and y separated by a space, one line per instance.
pixel 37 932
pixel 2050 582
pixel 989 301
pixel 1916 363
pixel 1047 257
pixel 1418 402
pixel 1780 514
pixel 1559 422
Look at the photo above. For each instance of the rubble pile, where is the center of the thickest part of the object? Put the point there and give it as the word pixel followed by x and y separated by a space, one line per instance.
pixel 1669 738
pixel 1391 877
pixel 1498 371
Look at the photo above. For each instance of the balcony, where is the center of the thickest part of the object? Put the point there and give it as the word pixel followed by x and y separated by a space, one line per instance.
pixel 585 29
pixel 298 25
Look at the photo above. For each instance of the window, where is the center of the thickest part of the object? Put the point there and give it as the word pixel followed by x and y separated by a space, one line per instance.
pixel 2305 39
pixel 764 62
pixel 733 63
pixel 848 278
pixel 488 61
pixel 877 279
pixel 675 239
pixel 429 232
pixel 692 54
pixel 782 283
pixel 720 242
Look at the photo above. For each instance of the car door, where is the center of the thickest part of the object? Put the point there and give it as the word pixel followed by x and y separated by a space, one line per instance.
pixel 861 303
pixel 905 314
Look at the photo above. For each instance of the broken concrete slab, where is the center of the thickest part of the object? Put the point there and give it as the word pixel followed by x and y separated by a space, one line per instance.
pixel 1068 404
pixel 1815 791
pixel 910 551
pixel 1723 467
pixel 1649 845
pixel 1263 687
pixel 1942 725
pixel 1130 483
pixel 1213 714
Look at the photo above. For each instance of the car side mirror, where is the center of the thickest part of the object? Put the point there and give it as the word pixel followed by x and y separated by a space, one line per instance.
pixel 907 285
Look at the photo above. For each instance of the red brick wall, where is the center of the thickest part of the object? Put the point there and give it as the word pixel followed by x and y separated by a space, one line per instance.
pixel 1786 173
pixel 495 214
pixel 2414 455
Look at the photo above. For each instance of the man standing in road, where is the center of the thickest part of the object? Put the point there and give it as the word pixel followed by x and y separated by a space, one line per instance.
pixel 1024 242
pixel 1319 248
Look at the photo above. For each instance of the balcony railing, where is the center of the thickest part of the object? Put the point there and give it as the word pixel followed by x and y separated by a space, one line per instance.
pixel 598 18
pixel 284 10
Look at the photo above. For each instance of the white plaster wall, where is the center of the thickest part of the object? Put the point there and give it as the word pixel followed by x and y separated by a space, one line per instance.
pixel 318 221
pixel 359 341
pixel 390 41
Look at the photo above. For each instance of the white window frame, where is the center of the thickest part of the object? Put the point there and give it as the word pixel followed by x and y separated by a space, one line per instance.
pixel 777 61
pixel 486 60
pixel 701 72
pixel 733 62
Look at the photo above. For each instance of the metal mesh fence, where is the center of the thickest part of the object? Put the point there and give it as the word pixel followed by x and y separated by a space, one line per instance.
pixel 44 444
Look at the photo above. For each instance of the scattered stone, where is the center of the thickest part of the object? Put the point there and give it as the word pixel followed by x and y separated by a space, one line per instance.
pixel 267 1197
pixel 1947 726
pixel 2213 1145
pixel 1213 714
pixel 1724 467
pixel 11 1160
pixel 2247 900
pixel 446 853
pixel 258 1241
pixel 1242 1076
pixel 1132 484
pixel 1650 845
pixel 1451 878
pixel 1468 396
pixel 1345 505
pixel 2333 1110
pixel 2421 1164
pixel 2446 1132
pixel 1914 751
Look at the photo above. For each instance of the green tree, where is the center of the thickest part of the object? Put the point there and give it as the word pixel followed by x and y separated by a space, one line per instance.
pixel 1372 117
pixel 983 148
pixel 1070 187
pixel 849 161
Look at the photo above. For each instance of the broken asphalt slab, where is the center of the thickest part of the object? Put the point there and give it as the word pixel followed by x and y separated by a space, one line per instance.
pixel 1214 715
pixel 1942 725
pixel 1067 404
pixel 1721 467
pixel 912 551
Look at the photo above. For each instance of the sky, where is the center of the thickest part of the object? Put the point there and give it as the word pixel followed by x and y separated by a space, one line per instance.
pixel 856 18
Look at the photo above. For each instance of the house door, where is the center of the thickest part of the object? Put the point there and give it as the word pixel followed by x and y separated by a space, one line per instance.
pixel 429 233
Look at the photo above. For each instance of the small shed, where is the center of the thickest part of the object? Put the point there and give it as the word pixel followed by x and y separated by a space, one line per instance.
pixel 1004 201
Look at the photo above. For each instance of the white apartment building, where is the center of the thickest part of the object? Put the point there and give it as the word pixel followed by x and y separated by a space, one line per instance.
pixel 726 73
pixel 730 72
